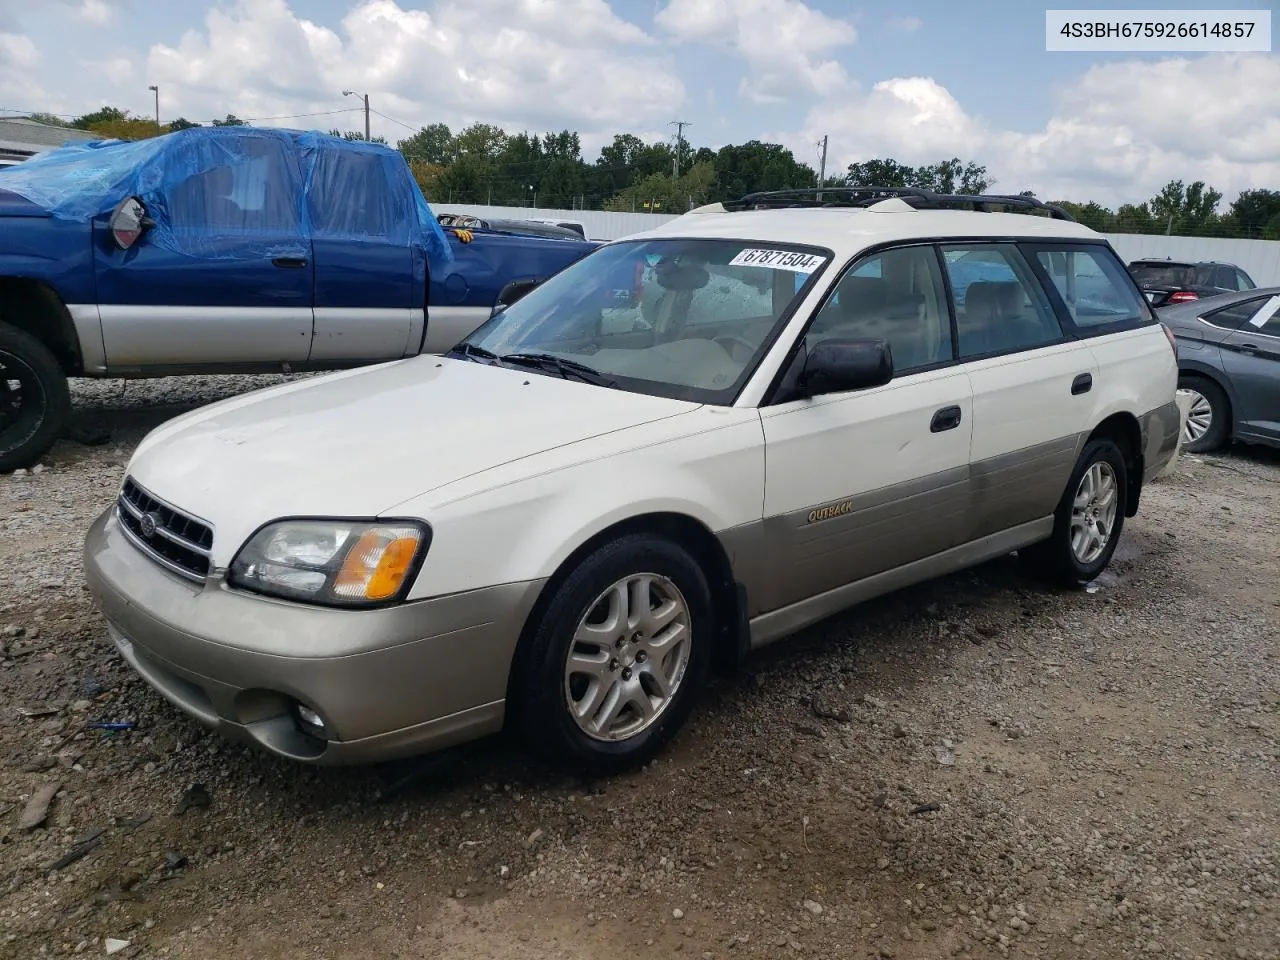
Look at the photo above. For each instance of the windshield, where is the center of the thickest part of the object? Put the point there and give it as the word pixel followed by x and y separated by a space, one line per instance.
pixel 681 318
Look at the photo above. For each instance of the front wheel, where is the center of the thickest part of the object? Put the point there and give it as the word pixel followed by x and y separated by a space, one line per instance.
pixel 1088 520
pixel 35 402
pixel 612 667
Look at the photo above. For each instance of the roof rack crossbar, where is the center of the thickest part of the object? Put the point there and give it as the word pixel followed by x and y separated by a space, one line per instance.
pixel 865 196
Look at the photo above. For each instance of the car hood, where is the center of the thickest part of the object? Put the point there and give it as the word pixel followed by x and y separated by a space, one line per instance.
pixel 359 442
pixel 13 205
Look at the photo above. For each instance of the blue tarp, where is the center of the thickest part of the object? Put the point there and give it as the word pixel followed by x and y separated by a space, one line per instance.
pixel 239 192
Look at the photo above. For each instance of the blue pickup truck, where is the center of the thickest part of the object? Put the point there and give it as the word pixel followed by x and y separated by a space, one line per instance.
pixel 222 250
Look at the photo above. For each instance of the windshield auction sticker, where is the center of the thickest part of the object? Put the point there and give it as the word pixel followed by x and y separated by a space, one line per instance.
pixel 779 260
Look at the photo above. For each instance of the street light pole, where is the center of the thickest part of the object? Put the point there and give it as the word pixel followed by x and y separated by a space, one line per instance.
pixel 157 93
pixel 365 98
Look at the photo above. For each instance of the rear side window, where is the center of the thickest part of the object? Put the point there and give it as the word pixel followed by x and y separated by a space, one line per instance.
pixel 1258 312
pixel 1000 306
pixel 352 196
pixel 1093 285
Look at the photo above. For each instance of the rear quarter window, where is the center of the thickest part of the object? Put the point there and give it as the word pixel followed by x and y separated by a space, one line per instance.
pixel 1092 285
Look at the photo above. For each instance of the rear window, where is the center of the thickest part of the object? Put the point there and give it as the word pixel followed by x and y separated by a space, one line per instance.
pixel 1170 274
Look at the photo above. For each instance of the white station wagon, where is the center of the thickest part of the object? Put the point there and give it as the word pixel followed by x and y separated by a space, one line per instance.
pixel 691 443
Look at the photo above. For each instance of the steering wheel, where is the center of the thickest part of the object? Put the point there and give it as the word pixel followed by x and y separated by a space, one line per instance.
pixel 731 340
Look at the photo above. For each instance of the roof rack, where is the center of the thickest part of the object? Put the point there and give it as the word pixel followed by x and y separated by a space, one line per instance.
pixel 866 196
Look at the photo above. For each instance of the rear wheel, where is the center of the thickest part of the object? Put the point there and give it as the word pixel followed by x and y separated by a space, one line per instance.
pixel 1208 423
pixel 35 403
pixel 611 669
pixel 1088 520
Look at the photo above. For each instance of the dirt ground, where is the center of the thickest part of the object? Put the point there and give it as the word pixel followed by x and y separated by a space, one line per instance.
pixel 976 767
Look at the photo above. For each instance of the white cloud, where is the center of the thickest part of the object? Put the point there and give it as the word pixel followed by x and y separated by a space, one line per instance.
pixel 512 62
pixel 786 45
pixel 907 24
pixel 1117 134
pixel 18 51
pixel 96 12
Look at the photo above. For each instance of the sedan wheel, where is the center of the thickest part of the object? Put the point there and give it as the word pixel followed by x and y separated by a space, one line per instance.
pixel 1199 417
pixel 628 658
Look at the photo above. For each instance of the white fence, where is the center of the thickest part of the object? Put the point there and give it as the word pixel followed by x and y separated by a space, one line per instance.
pixel 1258 258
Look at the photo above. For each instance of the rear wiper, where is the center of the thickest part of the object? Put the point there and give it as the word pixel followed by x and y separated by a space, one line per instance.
pixel 469 351
pixel 568 369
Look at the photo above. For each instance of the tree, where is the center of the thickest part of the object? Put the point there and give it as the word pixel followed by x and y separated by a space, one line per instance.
pixel 1253 211
pixel 429 145
pixel 48 119
pixel 182 123
pixel 663 193
pixel 880 173
pixel 1190 208
pixel 103 115
pixel 352 135
pixel 755 166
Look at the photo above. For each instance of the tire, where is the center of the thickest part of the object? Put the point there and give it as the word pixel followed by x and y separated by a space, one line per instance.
pixel 33 419
pixel 1211 401
pixel 546 689
pixel 1061 559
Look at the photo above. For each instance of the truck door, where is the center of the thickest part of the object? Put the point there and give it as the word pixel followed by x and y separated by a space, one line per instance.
pixel 230 285
pixel 370 285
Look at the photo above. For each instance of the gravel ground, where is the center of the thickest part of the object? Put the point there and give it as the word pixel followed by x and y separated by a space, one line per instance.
pixel 975 767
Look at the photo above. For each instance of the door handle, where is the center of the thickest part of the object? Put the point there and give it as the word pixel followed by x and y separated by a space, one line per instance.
pixel 1082 384
pixel 290 262
pixel 948 418
pixel 1248 348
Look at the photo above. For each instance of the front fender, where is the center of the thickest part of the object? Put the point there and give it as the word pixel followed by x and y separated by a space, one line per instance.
pixel 522 521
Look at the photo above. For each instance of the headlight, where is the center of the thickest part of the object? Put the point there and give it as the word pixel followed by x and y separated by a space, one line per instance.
pixel 334 562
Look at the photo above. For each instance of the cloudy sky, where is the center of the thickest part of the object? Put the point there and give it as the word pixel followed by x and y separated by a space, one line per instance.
pixel 918 80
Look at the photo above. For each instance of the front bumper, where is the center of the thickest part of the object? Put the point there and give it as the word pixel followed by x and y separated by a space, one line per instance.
pixel 387 683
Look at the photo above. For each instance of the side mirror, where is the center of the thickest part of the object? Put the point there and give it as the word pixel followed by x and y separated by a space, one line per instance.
pixel 838 366
pixel 129 220
pixel 512 292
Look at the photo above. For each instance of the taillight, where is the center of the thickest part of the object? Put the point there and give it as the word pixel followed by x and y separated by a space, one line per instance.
pixel 1183 296
pixel 1173 341
pixel 128 222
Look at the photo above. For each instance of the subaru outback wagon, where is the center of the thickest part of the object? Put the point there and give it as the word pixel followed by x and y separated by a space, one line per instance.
pixel 563 524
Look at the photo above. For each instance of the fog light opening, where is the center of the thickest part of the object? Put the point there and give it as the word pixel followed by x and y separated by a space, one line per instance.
pixel 309 722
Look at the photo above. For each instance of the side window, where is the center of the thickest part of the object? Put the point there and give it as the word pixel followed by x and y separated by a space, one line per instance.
pixel 253 193
pixel 896 296
pixel 350 196
pixel 1244 281
pixel 1093 285
pixel 1234 316
pixel 1000 306
pixel 1267 319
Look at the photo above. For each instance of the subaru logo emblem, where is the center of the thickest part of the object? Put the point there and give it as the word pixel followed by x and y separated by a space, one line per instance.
pixel 147 523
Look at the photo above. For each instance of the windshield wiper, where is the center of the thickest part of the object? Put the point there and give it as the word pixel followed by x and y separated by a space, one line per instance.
pixel 469 351
pixel 568 369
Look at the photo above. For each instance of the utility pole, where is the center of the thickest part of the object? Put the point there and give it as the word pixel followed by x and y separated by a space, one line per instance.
pixel 365 98
pixel 822 168
pixel 679 125
pixel 156 89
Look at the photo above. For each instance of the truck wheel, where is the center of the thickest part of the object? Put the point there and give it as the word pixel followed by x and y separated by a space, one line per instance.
pixel 35 403
pixel 612 667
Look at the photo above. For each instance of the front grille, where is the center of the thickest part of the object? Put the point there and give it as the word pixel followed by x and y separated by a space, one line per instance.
pixel 179 542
